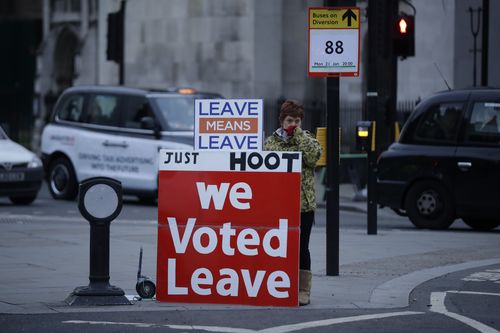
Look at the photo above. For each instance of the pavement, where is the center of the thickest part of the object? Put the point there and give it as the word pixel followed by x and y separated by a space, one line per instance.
pixel 43 258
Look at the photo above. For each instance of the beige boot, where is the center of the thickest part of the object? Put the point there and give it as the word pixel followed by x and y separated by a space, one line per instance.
pixel 304 287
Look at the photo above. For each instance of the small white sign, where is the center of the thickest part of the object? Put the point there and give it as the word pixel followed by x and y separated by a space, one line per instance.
pixel 333 41
pixel 228 124
pixel 334 52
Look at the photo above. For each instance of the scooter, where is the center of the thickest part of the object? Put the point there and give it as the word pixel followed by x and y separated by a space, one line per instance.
pixel 144 286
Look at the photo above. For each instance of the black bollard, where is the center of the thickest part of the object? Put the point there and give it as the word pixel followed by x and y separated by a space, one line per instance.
pixel 99 202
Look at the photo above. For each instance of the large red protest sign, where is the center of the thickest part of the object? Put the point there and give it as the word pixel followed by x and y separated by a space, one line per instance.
pixel 229 227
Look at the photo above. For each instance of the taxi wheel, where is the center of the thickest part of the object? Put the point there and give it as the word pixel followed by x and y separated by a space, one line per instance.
pixel 25 200
pixel 481 224
pixel 62 180
pixel 429 205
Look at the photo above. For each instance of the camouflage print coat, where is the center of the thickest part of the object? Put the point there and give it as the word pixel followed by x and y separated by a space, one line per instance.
pixel 304 142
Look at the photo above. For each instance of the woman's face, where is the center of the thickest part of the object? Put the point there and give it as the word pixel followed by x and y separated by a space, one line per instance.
pixel 291 121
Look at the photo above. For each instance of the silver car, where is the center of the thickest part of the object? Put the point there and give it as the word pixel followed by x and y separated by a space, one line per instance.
pixel 21 172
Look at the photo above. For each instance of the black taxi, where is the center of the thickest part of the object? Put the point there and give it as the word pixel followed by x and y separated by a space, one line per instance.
pixel 446 163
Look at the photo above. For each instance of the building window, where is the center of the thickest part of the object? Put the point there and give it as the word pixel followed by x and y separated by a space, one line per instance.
pixel 66 6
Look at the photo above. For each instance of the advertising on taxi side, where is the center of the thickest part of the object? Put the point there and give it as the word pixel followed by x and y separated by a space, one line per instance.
pixel 229 227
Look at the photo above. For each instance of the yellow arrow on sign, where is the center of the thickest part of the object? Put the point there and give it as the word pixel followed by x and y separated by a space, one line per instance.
pixel 323 18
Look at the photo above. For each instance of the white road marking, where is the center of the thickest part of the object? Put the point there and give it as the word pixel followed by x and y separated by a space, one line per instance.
pixel 328 322
pixel 141 325
pixel 437 305
pixel 277 329
pixel 492 275
pixel 211 328
pixel 472 293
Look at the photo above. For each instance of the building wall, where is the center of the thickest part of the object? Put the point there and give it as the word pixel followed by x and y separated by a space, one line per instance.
pixel 208 45
pixel 258 49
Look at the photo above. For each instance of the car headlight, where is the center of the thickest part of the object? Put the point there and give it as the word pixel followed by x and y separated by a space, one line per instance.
pixel 35 162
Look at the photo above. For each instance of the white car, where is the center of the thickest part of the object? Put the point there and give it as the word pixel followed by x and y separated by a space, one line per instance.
pixel 21 172
pixel 116 132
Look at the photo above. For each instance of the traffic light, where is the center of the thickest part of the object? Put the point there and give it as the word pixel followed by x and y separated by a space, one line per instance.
pixel 114 49
pixel 404 35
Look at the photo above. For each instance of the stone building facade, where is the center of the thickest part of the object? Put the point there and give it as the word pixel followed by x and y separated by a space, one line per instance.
pixel 241 49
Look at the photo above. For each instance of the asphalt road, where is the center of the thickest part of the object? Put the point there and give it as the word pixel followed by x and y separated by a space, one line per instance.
pixel 466 301
pixel 132 210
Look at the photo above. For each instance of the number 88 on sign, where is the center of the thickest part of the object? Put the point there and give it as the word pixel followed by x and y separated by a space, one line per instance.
pixel 333 42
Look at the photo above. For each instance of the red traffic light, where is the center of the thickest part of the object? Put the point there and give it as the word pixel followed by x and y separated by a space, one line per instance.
pixel 403 25
pixel 404 35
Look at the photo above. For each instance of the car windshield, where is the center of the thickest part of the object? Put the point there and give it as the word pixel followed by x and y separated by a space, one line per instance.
pixel 177 111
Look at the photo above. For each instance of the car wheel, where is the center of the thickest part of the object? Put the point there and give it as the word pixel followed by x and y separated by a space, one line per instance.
pixel 62 180
pixel 481 224
pixel 429 205
pixel 25 200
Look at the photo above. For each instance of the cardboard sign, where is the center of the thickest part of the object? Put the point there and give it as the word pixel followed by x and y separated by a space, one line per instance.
pixel 229 227
pixel 228 124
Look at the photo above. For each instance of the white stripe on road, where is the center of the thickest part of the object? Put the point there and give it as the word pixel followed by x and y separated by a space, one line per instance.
pixel 277 329
pixel 327 322
pixel 211 328
pixel 141 325
pixel 472 293
pixel 437 305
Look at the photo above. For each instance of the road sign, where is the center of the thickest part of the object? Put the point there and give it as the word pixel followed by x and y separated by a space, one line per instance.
pixel 229 227
pixel 333 41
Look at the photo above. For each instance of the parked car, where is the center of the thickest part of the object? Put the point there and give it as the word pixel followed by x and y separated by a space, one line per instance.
pixel 446 164
pixel 115 132
pixel 21 172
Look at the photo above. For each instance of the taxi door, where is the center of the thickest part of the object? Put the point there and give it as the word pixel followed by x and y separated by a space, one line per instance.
pixel 478 158
pixel 114 150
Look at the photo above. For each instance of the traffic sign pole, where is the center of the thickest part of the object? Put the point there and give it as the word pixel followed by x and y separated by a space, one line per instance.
pixel 333 52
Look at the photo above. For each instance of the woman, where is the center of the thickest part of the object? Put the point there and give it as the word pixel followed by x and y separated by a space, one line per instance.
pixel 291 137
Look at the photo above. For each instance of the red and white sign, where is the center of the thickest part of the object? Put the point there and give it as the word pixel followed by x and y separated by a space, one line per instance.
pixel 229 227
pixel 228 124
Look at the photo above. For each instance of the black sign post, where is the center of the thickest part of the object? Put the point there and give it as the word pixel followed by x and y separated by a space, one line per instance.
pixel 333 159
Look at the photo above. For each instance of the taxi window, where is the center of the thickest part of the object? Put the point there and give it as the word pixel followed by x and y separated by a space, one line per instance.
pixel 71 109
pixel 103 110
pixel 440 123
pixel 484 123
pixel 177 111
pixel 134 109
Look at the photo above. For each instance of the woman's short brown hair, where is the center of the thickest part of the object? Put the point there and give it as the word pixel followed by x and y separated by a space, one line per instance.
pixel 291 108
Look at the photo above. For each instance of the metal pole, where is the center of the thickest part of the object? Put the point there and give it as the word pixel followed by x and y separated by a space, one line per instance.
pixel 485 43
pixel 371 202
pixel 474 35
pixel 333 163
pixel 122 42
pixel 332 170
pixel 332 177
pixel 99 253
